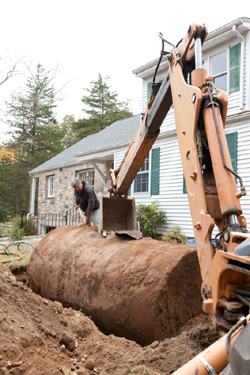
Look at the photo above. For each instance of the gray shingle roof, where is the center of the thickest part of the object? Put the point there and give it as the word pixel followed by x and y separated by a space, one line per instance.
pixel 120 132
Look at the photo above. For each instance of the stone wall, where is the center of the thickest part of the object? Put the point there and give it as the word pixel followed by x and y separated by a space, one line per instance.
pixel 63 192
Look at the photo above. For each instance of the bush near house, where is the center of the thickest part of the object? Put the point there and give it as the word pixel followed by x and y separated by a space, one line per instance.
pixel 1 229
pixel 174 235
pixel 28 227
pixel 150 217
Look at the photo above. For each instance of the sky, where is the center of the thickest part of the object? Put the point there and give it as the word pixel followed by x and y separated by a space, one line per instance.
pixel 102 36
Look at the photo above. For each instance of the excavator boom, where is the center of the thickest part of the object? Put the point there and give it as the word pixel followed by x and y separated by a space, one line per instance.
pixel 153 118
pixel 112 217
pixel 200 116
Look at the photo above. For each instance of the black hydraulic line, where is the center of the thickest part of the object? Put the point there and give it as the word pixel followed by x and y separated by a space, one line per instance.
pixel 242 291
pixel 242 299
pixel 217 235
pixel 166 41
pixel 177 45
pixel 241 322
pixel 162 53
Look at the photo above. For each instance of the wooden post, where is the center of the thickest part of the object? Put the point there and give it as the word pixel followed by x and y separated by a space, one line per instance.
pixel 89 211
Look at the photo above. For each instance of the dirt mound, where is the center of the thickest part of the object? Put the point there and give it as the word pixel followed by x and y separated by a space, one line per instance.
pixel 40 337
pixel 143 290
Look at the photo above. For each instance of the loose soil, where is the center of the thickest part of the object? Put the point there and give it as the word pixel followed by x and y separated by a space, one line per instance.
pixel 40 337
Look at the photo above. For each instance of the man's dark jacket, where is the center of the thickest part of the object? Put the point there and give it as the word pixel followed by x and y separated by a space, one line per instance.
pixel 83 196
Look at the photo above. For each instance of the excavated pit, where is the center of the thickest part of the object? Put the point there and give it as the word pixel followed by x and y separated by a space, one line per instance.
pixel 143 290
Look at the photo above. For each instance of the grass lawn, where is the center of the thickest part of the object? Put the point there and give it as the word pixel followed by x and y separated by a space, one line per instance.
pixel 23 252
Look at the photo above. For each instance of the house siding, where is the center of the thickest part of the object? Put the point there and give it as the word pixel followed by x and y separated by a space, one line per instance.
pixel 243 161
pixel 171 197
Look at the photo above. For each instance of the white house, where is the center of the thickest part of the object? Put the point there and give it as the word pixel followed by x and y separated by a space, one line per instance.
pixel 226 55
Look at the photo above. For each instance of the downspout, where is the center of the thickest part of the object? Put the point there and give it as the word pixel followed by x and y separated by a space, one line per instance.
pixel 32 197
pixel 236 32
pixel 29 213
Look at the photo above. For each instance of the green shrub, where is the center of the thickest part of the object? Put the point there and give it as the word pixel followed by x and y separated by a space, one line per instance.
pixel 29 227
pixel 1 230
pixel 16 230
pixel 176 231
pixel 16 233
pixel 150 217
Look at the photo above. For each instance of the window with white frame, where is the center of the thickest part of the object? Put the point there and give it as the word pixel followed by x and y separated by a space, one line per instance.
pixel 88 176
pixel 216 66
pixel 141 182
pixel 51 186
pixel 225 68
pixel 219 70
pixel 147 180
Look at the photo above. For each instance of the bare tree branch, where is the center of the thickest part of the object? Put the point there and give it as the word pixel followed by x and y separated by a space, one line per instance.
pixel 12 70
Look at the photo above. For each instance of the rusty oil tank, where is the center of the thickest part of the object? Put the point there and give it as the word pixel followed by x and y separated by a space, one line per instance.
pixel 144 290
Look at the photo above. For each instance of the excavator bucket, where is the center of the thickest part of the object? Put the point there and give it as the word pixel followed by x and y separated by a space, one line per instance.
pixel 117 214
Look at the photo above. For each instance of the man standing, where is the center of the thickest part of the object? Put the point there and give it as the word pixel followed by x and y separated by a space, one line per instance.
pixel 83 194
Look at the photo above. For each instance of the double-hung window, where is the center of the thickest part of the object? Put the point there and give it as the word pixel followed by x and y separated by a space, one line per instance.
pixel 147 180
pixel 141 182
pixel 224 67
pixel 219 70
pixel 88 176
pixel 51 186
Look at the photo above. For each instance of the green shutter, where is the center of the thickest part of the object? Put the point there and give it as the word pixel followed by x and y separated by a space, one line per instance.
pixel 155 171
pixel 232 146
pixel 184 185
pixel 129 192
pixel 149 91
pixel 234 70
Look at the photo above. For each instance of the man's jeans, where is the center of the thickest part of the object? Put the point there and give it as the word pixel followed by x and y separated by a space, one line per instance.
pixel 94 217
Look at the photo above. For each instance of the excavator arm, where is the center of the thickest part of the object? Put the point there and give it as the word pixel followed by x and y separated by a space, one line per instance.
pixel 117 211
pixel 200 117
pixel 153 118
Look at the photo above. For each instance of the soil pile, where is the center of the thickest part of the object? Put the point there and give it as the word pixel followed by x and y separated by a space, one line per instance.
pixel 40 337
pixel 143 290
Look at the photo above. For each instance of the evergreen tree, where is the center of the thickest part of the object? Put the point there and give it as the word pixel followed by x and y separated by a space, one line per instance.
pixel 102 108
pixel 36 134
pixel 7 183
pixel 67 126
pixel 14 188
pixel 35 138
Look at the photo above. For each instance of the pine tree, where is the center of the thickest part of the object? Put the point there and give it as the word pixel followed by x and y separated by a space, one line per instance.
pixel 102 108
pixel 7 183
pixel 36 133
pixel 66 125
pixel 36 136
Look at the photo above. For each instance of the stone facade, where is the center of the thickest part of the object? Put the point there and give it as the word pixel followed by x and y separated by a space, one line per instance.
pixel 63 198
